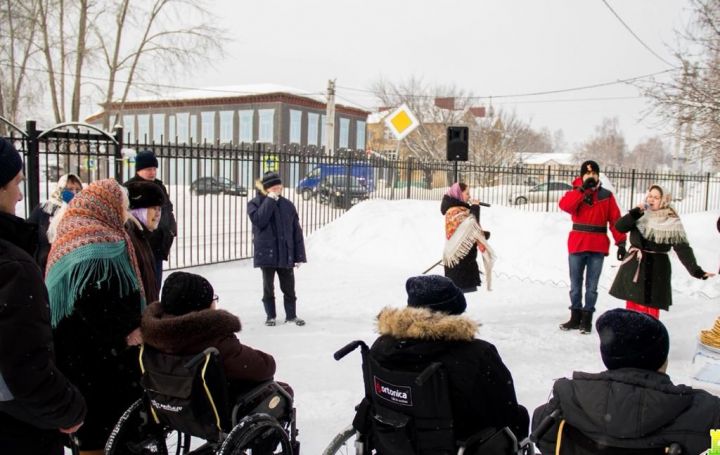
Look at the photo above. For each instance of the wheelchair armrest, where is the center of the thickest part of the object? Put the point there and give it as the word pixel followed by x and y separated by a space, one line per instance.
pixel 194 361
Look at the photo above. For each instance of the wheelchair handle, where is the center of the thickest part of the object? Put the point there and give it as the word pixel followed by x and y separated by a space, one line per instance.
pixel 426 373
pixel 540 431
pixel 348 348
pixel 198 358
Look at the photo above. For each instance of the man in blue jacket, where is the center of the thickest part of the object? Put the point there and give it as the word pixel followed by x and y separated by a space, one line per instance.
pixel 278 243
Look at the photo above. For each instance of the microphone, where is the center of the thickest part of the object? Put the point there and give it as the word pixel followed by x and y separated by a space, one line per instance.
pixel 484 204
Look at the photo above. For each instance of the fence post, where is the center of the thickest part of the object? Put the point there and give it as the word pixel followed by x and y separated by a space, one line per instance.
pixel 119 161
pixel 632 188
pixel 707 191
pixel 32 164
pixel 547 193
pixel 409 176
pixel 348 176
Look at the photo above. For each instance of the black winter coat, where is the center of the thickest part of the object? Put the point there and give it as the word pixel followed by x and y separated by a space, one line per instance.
pixel 140 238
pixel 162 238
pixel 277 235
pixel 482 393
pixel 92 351
pixel 41 216
pixel 653 284
pixel 191 333
pixel 632 408
pixel 43 399
pixel 466 273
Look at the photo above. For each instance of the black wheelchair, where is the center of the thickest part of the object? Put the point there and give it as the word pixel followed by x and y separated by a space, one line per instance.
pixel 409 413
pixel 186 397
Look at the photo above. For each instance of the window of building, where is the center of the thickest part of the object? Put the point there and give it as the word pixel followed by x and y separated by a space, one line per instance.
pixel 265 133
pixel 208 126
pixel 312 131
pixel 295 126
pixel 129 128
pixel 172 131
pixel 158 128
pixel 246 126
pixel 360 136
pixel 344 139
pixel 143 128
pixel 193 128
pixel 226 126
pixel 323 130
pixel 183 132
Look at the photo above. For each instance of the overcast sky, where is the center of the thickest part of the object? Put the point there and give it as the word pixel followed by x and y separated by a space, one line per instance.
pixel 488 47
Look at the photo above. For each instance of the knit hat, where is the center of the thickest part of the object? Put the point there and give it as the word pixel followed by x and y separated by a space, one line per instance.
pixel 143 194
pixel 145 159
pixel 589 166
pixel 435 293
pixel 270 179
pixel 629 339
pixel 184 292
pixel 10 162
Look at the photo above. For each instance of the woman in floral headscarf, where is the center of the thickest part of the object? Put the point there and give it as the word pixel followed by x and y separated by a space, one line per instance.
pixel 464 238
pixel 643 279
pixel 96 300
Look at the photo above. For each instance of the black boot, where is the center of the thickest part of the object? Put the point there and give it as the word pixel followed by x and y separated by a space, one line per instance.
pixel 574 322
pixel 586 322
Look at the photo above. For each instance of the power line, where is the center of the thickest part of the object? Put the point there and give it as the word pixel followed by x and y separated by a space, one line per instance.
pixel 546 92
pixel 635 35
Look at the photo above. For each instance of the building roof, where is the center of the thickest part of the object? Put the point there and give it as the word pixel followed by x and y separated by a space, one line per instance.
pixel 544 158
pixel 232 94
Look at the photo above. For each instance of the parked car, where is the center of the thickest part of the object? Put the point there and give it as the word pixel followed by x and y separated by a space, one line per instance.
pixel 333 190
pixel 217 185
pixel 551 191
pixel 308 186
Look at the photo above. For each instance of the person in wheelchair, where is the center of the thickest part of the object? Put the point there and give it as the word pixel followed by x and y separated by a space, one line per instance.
pixel 432 329
pixel 185 321
pixel 633 405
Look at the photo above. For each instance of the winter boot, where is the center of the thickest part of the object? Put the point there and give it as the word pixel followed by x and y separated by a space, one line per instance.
pixel 586 322
pixel 574 322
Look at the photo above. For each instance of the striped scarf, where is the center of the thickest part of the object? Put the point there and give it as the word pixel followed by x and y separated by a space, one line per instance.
pixel 91 246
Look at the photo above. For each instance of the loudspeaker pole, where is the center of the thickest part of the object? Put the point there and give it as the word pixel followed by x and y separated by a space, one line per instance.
pixel 455 169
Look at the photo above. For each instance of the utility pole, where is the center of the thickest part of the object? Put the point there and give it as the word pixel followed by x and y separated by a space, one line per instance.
pixel 330 116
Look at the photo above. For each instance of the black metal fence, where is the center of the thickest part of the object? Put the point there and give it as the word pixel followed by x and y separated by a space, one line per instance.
pixel 210 185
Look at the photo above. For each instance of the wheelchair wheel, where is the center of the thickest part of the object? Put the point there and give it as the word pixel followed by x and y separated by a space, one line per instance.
pixel 136 434
pixel 257 434
pixel 343 443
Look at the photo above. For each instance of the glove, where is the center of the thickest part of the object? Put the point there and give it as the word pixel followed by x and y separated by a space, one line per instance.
pixel 621 252
pixel 589 184
pixel 273 195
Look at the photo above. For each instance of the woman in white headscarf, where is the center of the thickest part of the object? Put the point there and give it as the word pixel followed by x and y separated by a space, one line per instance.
pixel 643 279
pixel 67 187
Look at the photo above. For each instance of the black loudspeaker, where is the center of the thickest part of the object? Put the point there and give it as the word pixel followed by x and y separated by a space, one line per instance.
pixel 457 143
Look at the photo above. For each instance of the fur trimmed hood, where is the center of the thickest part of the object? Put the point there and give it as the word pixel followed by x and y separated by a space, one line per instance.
pixel 175 334
pixel 259 187
pixel 423 324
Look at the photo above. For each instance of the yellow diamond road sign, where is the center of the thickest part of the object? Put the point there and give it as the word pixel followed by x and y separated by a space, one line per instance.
pixel 401 122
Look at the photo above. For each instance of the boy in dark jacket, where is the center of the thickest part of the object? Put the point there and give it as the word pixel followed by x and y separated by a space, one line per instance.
pixel 185 322
pixel 37 402
pixel 432 329
pixel 278 244
pixel 633 404
pixel 592 209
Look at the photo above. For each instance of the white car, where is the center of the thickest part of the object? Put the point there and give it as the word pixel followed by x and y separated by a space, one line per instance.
pixel 551 191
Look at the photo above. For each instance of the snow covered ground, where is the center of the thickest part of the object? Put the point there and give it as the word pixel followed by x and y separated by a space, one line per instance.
pixel 358 264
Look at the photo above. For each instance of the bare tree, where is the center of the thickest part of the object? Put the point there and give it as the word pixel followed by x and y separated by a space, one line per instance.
pixel 651 154
pixel 690 101
pixel 607 146
pixel 16 53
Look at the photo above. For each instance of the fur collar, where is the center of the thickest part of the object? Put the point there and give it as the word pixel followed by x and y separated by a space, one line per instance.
pixel 423 324
pixel 173 334
pixel 259 187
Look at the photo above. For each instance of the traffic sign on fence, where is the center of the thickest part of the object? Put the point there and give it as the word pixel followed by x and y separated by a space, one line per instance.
pixel 401 122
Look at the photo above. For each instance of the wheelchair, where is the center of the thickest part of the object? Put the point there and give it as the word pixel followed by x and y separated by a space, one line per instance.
pixel 186 397
pixel 409 413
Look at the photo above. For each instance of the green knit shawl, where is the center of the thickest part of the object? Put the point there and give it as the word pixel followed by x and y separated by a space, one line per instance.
pixel 85 265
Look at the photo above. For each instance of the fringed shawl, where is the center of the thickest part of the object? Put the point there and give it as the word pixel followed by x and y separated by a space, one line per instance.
pixel 463 233
pixel 91 245
pixel 662 225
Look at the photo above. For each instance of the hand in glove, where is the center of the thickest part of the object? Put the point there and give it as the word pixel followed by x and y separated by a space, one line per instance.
pixel 621 252
pixel 589 184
